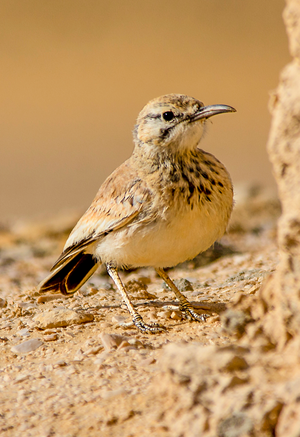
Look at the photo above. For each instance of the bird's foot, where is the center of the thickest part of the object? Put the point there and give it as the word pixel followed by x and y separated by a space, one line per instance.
pixel 152 328
pixel 190 314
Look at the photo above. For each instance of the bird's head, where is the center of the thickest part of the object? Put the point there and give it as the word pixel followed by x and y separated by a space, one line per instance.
pixel 175 121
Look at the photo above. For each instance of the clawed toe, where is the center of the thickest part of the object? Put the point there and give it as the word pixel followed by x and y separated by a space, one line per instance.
pixel 151 328
pixel 190 314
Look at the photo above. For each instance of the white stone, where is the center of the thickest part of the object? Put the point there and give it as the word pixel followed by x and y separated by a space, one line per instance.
pixel 61 317
pixel 27 346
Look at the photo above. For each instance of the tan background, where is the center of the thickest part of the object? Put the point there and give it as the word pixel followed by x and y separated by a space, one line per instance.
pixel 75 74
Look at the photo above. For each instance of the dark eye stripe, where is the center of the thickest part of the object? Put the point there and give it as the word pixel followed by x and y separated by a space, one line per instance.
pixel 153 116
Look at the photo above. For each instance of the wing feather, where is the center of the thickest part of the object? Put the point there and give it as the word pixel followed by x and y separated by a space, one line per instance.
pixel 121 200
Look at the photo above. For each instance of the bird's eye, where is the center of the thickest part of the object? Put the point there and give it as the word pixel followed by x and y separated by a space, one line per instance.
pixel 168 115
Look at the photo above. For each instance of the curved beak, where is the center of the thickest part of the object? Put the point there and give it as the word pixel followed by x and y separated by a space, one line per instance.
pixel 209 111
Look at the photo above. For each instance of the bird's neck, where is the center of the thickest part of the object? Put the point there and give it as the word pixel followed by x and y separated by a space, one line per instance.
pixel 154 158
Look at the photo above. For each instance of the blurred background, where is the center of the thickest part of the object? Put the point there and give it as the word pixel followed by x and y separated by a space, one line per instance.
pixel 75 74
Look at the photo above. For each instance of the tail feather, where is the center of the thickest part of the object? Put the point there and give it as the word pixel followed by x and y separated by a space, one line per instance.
pixel 71 275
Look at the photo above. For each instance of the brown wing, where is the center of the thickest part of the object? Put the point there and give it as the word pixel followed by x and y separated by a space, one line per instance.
pixel 119 201
pixel 122 199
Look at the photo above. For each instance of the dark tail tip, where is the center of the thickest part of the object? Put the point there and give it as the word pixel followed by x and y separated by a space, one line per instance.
pixel 71 275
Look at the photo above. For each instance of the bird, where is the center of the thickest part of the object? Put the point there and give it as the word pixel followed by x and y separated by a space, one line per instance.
pixel 164 205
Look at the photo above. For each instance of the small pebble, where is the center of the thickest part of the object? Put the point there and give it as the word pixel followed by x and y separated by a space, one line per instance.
pixel 48 298
pixel 49 331
pixel 91 291
pixel 120 320
pixel 27 346
pixel 101 358
pixel 79 356
pixel 164 314
pixel 48 368
pixel 3 303
pixel 170 307
pixel 21 378
pixel 125 345
pixel 111 341
pixel 26 305
pixel 23 332
pixel 147 361
pixel 94 350
pixel 176 315
pixel 60 363
pixel 112 371
pixel 51 337
pixel 61 317
pixel 133 286
pixel 143 294
pixel 182 285
pixel 89 342
pixel 70 334
pixel 135 342
pixel 152 316
pixel 112 393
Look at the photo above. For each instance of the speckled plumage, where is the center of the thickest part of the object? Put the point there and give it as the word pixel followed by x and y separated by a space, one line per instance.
pixel 168 202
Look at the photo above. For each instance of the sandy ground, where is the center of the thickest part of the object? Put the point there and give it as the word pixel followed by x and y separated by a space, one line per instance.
pixel 85 373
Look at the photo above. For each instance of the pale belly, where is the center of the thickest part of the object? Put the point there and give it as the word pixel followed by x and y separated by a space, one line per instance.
pixel 165 243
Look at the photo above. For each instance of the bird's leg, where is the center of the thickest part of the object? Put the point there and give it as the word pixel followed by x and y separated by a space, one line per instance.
pixel 136 317
pixel 184 305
